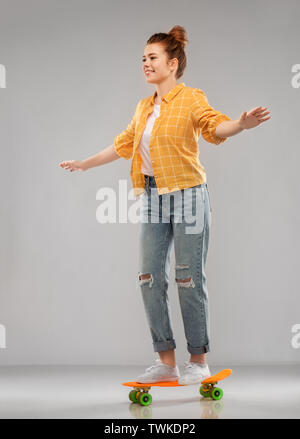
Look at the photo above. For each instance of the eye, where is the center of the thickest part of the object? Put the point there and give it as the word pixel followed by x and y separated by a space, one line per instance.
pixel 152 57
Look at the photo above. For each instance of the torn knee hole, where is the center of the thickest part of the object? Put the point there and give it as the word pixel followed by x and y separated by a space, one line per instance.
pixel 184 280
pixel 188 282
pixel 146 278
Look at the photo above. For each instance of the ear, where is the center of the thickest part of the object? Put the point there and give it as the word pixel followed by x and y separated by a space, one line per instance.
pixel 173 63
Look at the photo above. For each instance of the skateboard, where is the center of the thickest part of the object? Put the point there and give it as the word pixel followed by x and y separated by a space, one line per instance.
pixel 141 395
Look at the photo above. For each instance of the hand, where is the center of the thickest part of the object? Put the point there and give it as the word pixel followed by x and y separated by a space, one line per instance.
pixel 253 118
pixel 73 165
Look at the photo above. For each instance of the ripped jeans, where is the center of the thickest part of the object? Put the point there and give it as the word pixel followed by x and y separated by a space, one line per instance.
pixel 182 216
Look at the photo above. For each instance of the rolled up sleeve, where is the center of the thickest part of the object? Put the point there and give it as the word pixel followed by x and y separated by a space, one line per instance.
pixel 207 118
pixel 123 142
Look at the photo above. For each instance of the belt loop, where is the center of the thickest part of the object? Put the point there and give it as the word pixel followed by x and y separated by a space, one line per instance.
pixel 146 182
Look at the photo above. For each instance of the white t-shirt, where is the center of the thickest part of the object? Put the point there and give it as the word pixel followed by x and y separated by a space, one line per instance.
pixel 145 140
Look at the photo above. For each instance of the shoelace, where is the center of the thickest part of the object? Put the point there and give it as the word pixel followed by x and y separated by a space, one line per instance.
pixel 189 365
pixel 158 363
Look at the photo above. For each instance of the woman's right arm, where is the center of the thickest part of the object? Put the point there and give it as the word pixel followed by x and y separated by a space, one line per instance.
pixel 105 156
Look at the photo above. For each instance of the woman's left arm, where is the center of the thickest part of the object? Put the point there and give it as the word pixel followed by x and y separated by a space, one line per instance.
pixel 248 120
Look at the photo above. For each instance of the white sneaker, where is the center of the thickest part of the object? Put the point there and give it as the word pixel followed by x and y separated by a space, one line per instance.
pixel 159 372
pixel 194 373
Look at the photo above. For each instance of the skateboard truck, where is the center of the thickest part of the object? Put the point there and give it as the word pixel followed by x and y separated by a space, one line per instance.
pixel 210 391
pixel 141 395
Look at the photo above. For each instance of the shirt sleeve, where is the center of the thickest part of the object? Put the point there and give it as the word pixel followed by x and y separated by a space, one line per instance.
pixel 123 142
pixel 207 118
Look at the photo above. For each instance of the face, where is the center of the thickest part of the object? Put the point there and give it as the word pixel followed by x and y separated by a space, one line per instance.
pixel 155 59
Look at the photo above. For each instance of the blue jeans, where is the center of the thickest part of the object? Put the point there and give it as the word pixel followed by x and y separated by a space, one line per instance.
pixel 182 216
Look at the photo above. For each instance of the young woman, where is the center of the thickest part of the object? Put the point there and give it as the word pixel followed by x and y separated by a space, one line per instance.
pixel 162 140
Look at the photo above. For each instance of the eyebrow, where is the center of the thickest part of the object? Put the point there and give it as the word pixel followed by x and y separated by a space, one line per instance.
pixel 150 54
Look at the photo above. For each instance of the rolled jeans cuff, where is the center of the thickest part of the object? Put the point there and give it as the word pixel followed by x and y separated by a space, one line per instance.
pixel 164 345
pixel 200 350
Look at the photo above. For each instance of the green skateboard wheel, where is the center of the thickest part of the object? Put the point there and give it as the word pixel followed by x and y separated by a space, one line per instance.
pixel 145 398
pixel 217 393
pixel 132 396
pixel 204 393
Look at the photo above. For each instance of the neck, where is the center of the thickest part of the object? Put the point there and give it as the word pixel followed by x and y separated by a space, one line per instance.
pixel 164 87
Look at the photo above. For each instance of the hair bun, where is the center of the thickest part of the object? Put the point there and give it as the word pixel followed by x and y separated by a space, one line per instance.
pixel 180 35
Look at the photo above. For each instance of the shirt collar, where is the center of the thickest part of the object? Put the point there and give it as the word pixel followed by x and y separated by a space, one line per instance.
pixel 170 95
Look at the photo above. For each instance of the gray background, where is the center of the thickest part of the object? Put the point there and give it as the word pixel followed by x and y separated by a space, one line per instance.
pixel 69 289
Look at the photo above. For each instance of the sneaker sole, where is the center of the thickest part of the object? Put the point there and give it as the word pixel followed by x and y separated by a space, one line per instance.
pixel 193 382
pixel 157 380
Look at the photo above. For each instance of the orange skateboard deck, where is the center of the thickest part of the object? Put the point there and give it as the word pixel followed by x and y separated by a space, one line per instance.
pixel 218 377
pixel 158 383
pixel 141 395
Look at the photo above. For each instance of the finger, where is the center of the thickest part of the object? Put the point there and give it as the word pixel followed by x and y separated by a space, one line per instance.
pixel 261 111
pixel 254 110
pixel 264 113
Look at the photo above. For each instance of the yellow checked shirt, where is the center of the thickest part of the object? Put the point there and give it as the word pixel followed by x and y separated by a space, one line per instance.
pixel 184 114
